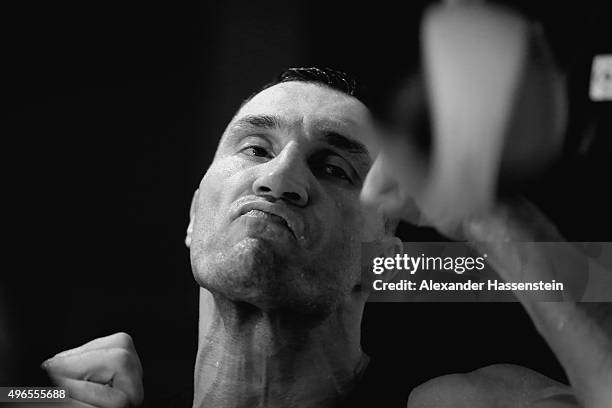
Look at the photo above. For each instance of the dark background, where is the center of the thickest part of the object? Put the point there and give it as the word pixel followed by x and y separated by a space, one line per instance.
pixel 110 116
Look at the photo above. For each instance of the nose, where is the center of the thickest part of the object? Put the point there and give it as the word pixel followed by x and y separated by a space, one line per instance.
pixel 284 178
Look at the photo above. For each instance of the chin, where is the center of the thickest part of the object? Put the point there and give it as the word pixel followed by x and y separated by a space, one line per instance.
pixel 249 271
pixel 254 272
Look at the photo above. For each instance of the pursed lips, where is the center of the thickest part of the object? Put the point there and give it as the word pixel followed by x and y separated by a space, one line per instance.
pixel 277 214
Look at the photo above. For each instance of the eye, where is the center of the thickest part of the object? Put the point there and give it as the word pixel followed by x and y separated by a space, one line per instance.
pixel 256 151
pixel 336 172
pixel 330 166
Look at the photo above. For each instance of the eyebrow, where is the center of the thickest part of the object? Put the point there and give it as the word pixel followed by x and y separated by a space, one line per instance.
pixel 259 121
pixel 344 143
pixel 331 137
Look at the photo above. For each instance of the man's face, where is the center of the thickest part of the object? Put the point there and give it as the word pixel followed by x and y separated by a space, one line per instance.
pixel 277 220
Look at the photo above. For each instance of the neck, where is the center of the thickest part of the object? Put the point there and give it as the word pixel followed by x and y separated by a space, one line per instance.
pixel 251 358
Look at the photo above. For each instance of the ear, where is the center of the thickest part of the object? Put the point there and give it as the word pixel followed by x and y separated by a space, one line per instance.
pixel 191 217
pixel 386 247
pixel 390 246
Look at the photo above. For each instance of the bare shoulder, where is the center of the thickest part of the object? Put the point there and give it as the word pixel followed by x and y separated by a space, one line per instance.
pixel 499 385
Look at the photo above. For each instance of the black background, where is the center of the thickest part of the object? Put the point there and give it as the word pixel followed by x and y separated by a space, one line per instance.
pixel 111 113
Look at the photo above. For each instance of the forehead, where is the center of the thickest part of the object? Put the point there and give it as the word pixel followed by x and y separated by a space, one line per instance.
pixel 310 104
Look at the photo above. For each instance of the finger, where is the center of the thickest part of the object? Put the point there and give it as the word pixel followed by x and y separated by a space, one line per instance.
pixel 99 361
pixel 95 394
pixel 116 340
pixel 117 366
pixel 121 340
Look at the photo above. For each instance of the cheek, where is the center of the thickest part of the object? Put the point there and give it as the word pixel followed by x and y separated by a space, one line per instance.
pixel 209 192
pixel 354 229
pixel 352 223
pixel 214 196
pixel 362 223
pixel 226 180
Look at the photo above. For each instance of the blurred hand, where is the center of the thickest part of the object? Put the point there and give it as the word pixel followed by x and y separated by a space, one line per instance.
pixel 106 372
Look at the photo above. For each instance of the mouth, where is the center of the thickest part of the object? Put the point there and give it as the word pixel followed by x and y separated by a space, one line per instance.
pixel 267 216
pixel 274 213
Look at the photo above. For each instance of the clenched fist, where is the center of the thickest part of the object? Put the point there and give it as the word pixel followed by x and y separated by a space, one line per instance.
pixel 106 373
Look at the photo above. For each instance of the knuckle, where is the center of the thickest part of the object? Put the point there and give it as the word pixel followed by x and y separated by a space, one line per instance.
pixel 123 340
pixel 122 359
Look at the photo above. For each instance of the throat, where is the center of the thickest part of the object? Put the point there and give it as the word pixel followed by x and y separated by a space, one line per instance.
pixel 255 361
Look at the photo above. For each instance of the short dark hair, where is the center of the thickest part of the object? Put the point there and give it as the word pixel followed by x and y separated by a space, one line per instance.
pixel 334 79
pixel 338 80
